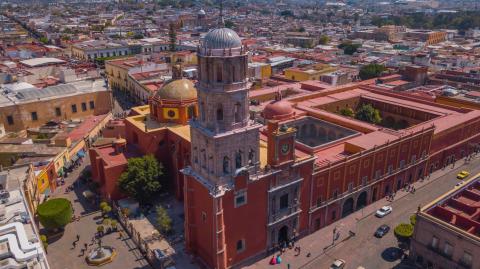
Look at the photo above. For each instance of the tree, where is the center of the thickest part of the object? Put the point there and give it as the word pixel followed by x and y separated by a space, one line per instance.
pixel 347 112
pixel 371 71
pixel 172 34
pixel 287 13
pixel 413 219
pixel 163 219
pixel 107 209
pixel 302 29
pixel 369 114
pixel 55 213
pixel 142 178
pixel 403 231
pixel 349 48
pixel 229 24
pixel 114 225
pixel 44 240
pixel 323 40
pixel 100 229
pixel 43 39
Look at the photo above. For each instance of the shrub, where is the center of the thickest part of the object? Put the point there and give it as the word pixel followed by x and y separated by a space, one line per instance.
pixel 55 213
pixel 413 219
pixel 163 219
pixel 44 240
pixel 404 230
pixel 107 209
pixel 347 112
pixel 106 222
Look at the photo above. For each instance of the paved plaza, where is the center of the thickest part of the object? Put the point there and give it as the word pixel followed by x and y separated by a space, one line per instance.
pixel 61 253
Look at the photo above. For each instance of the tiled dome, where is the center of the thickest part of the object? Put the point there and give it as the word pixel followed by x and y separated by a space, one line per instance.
pixel 278 110
pixel 180 89
pixel 222 38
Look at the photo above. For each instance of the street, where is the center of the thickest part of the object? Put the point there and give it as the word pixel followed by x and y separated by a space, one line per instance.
pixel 370 252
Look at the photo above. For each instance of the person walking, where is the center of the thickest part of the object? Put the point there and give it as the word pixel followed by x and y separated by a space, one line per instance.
pixel 78 237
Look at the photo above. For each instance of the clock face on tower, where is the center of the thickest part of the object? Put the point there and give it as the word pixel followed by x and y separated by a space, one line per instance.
pixel 285 148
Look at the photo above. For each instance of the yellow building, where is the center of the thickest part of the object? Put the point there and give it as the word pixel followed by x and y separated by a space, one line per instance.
pixel 310 72
pixel 32 107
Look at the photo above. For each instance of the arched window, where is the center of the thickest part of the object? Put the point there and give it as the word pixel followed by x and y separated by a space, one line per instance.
pixel 238 112
pixel 226 165
pixel 220 112
pixel 238 159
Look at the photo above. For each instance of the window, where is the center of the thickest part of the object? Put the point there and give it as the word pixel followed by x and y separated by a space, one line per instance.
pixel 238 159
pixel 240 245
pixel 84 106
pixel 319 201
pixel 10 119
pixel 34 116
pixel 335 194
pixel 390 169
pixel 240 198
pixel 402 164
pixel 434 243
pixel 58 111
pixel 92 105
pixel 220 112
pixel 364 180
pixel 74 108
pixel 237 112
pixel 466 259
pixel 219 73
pixel 284 201
pixel 204 216
pixel 226 165
pixel 378 173
pixel 447 249
pixel 414 158
pixel 350 186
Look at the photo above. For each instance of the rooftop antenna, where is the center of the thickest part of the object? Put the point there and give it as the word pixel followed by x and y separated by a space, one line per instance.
pixel 221 21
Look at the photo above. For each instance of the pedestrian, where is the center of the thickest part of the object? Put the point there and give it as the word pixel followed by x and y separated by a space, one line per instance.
pixel 74 244
pixel 78 237
pixel 86 246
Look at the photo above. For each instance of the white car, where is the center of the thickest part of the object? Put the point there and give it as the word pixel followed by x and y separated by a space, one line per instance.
pixel 338 264
pixel 382 212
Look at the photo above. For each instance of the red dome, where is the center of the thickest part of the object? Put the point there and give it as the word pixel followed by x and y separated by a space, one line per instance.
pixel 278 110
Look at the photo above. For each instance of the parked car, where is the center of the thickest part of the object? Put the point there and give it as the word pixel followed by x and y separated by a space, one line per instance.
pixel 463 174
pixel 382 212
pixel 338 264
pixel 382 230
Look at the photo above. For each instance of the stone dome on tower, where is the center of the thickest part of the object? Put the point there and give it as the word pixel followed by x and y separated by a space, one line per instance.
pixel 222 38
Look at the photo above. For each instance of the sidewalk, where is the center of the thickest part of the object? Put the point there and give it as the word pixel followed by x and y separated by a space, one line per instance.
pixel 318 242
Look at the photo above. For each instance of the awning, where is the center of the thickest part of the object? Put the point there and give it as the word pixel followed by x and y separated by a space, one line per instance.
pixel 74 158
pixel 81 153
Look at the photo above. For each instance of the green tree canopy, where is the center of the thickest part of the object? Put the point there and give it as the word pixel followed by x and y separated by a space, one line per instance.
pixel 348 47
pixel 323 40
pixel 43 39
pixel 403 231
pixel 287 13
pixel 371 71
pixel 142 178
pixel 55 213
pixel 368 114
pixel 229 24
pixel 347 112
pixel 163 219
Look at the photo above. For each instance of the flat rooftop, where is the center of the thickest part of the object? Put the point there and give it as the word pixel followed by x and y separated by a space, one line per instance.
pixel 459 208
pixel 25 94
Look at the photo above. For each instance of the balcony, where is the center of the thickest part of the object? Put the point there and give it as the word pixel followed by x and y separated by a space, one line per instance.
pixel 285 213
